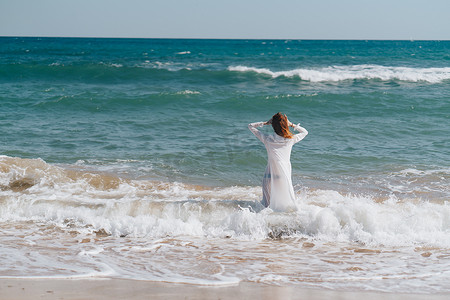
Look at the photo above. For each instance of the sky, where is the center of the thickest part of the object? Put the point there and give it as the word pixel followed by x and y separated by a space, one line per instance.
pixel 243 19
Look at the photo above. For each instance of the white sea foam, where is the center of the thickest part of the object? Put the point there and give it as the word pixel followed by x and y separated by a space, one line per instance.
pixel 184 52
pixel 434 182
pixel 411 171
pixel 169 66
pixel 114 65
pixel 188 92
pixel 340 73
pixel 175 66
pixel 70 223
pixel 291 96
pixel 89 202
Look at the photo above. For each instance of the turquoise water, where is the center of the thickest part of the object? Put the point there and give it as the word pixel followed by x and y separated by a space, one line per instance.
pixel 131 158
pixel 178 109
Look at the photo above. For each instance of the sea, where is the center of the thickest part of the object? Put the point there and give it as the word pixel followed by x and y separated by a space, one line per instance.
pixel 131 158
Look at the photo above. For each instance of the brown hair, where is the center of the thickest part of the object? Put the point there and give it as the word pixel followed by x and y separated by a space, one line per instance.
pixel 280 125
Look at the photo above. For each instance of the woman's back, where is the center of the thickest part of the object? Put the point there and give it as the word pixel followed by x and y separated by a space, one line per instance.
pixel 278 147
pixel 278 192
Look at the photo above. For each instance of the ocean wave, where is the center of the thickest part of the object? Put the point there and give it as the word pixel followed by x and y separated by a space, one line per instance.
pixel 411 180
pixel 369 72
pixel 95 72
pixel 412 171
pixel 97 203
pixel 188 92
pixel 175 66
pixel 284 96
pixel 114 65
pixel 151 70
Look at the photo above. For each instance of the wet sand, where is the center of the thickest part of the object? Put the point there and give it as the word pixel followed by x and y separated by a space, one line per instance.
pixel 31 289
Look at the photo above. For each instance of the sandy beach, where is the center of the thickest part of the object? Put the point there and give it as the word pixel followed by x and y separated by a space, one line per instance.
pixel 98 289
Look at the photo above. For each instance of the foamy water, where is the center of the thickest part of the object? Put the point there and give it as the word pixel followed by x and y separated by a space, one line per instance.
pixel 340 73
pixel 60 222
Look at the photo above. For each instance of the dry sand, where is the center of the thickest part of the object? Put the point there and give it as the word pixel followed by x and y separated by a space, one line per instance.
pixel 24 289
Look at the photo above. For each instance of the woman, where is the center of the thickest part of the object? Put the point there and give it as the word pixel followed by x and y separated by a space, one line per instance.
pixel 278 192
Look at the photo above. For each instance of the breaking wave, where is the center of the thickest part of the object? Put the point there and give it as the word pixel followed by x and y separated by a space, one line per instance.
pixel 370 72
pixel 97 203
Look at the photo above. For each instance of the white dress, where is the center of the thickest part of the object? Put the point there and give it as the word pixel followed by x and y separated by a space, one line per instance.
pixel 278 192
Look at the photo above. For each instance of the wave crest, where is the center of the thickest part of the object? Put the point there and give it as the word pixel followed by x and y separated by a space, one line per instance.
pixel 369 72
pixel 93 203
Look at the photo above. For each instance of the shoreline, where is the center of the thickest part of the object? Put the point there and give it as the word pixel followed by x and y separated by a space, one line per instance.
pixel 107 288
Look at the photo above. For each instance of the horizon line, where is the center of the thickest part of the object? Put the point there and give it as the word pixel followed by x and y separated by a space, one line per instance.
pixel 207 38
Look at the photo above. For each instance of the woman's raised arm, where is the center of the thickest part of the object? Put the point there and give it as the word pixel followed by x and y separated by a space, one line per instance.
pixel 253 128
pixel 302 132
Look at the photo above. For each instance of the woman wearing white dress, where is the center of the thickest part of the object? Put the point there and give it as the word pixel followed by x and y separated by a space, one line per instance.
pixel 278 192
